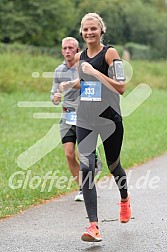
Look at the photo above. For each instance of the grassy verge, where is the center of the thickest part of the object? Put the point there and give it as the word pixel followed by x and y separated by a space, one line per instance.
pixel 145 130
pixel 145 138
pixel 17 69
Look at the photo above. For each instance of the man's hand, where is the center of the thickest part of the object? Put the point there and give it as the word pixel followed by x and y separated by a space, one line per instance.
pixel 57 97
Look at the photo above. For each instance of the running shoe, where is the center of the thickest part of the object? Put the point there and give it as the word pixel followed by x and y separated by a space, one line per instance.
pixel 125 211
pixel 79 196
pixel 91 234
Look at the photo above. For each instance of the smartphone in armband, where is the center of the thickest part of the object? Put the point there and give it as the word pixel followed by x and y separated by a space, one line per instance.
pixel 119 70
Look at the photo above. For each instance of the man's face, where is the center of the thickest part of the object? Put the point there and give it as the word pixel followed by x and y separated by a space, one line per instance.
pixel 68 50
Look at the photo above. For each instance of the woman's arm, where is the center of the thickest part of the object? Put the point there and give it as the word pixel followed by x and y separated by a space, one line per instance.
pixel 118 87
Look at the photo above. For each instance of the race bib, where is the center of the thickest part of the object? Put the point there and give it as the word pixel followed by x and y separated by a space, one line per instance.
pixel 71 117
pixel 90 91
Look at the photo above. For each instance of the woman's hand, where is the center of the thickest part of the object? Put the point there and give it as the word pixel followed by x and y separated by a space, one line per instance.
pixel 88 68
pixel 63 86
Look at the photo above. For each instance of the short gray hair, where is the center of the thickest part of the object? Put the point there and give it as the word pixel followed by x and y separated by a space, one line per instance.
pixel 71 39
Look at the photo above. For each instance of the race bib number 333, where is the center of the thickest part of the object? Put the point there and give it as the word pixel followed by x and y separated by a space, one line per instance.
pixel 90 91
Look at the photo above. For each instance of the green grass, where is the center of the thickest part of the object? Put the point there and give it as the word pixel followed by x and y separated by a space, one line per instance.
pixel 16 72
pixel 20 131
pixel 150 72
pixel 145 129
pixel 145 138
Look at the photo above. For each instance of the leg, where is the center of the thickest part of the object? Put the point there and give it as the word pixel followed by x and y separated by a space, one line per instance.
pixel 86 144
pixel 112 147
pixel 68 136
pixel 87 140
pixel 69 149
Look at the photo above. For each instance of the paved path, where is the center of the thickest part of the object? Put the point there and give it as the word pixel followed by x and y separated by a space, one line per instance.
pixel 57 225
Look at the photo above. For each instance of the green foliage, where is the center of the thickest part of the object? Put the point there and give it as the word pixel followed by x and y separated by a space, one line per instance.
pixel 29 49
pixel 159 38
pixel 138 51
pixel 147 26
pixel 37 23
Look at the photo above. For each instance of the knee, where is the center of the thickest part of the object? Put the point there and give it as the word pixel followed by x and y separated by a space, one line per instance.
pixel 87 174
pixel 118 172
pixel 86 166
pixel 85 169
pixel 70 155
pixel 114 165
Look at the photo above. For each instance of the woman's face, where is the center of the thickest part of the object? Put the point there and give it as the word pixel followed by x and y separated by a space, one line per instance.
pixel 91 31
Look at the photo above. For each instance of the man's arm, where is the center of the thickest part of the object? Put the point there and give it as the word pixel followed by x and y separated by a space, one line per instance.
pixel 74 83
pixel 55 93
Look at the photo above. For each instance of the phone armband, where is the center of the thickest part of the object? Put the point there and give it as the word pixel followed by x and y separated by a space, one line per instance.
pixel 119 70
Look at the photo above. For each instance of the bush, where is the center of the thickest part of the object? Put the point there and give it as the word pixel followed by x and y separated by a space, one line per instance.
pixel 17 68
pixel 30 49
pixel 120 49
pixel 137 51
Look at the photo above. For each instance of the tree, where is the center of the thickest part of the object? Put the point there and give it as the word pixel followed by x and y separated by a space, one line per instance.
pixel 41 24
pixel 35 22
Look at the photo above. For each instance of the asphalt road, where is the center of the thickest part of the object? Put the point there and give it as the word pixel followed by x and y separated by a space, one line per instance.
pixel 58 224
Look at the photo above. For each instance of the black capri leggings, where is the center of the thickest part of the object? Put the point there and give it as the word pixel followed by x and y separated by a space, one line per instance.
pixel 112 136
